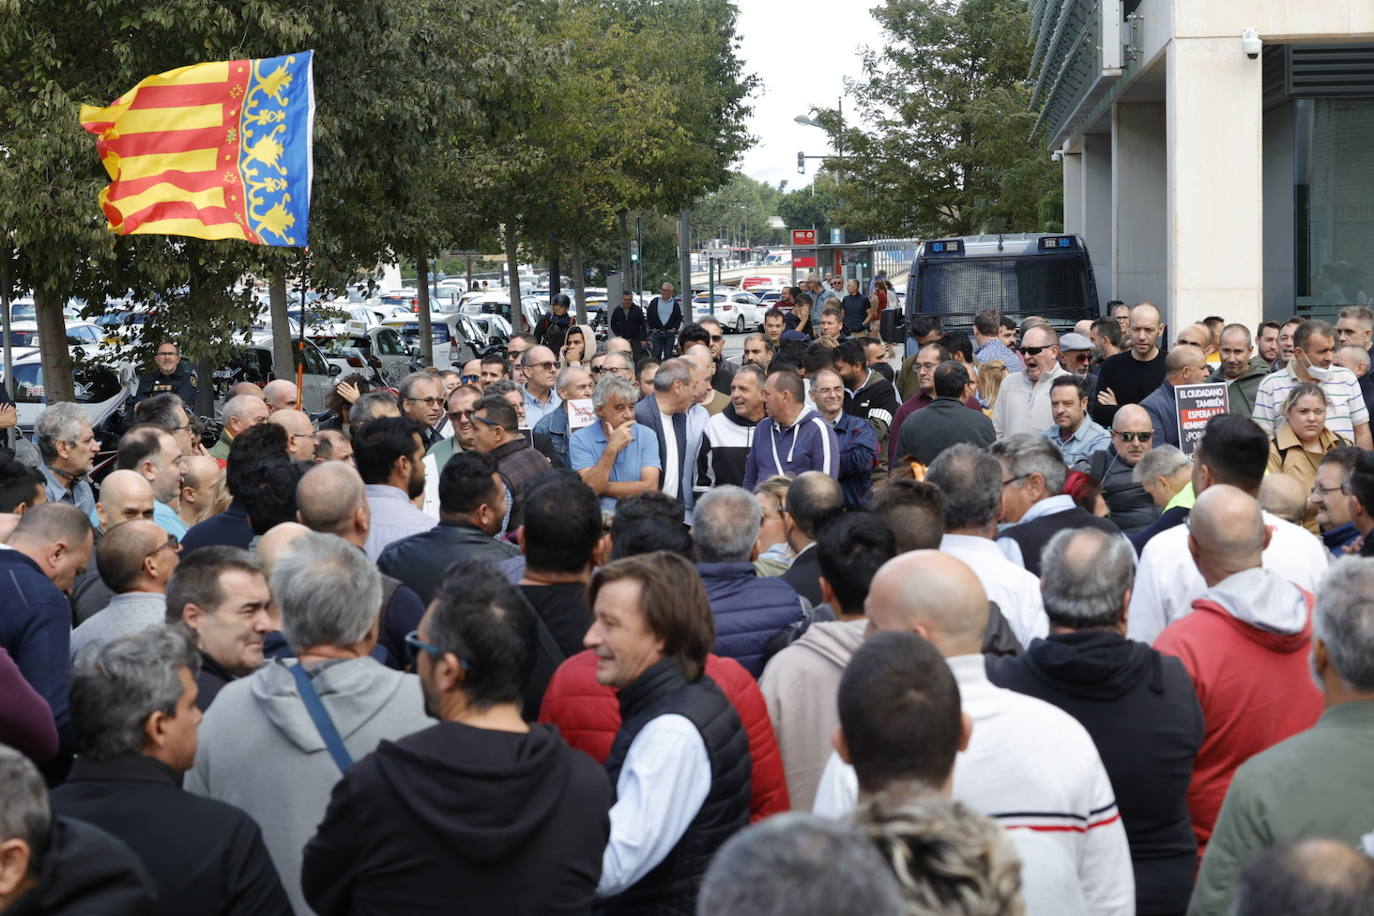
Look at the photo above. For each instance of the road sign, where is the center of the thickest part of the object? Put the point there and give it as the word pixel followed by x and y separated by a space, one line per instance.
pixel 802 237
pixel 1196 405
pixel 837 236
pixel 720 254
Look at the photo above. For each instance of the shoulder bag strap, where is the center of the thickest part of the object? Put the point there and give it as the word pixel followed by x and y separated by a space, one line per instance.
pixel 320 717
pixel 547 642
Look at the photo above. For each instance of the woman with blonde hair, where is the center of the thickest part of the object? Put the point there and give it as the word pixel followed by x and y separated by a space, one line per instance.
pixel 1297 447
pixel 991 374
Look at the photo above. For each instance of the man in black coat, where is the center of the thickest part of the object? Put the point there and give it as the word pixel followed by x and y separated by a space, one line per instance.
pixel 627 321
pixel 1138 705
pixel 204 856
pixel 481 811
pixel 664 320
pixel 946 420
pixel 472 505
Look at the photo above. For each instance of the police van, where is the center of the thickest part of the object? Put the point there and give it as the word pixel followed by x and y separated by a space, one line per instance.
pixel 1021 275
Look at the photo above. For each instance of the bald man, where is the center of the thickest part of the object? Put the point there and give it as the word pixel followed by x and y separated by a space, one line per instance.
pixel 1186 364
pixel 239 388
pixel 200 489
pixel 332 445
pixel 281 395
pixel 135 560
pixel 1285 496
pixel 124 497
pixel 269 548
pixel 241 412
pixel 1130 376
pixel 1245 646
pixel 330 499
pixel 300 433
pixel 705 366
pixel 1028 763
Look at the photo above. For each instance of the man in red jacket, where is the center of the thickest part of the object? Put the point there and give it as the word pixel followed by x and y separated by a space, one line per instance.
pixel 588 716
pixel 1245 647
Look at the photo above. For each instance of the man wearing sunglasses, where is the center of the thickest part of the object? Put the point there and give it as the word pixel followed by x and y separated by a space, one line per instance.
pixel 1133 436
pixel 1023 405
pixel 422 400
pixel 135 559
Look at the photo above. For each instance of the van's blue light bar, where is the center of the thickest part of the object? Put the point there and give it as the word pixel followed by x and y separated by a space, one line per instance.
pixel 946 246
pixel 1057 242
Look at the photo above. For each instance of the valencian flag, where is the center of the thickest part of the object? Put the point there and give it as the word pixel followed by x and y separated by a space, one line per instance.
pixel 215 151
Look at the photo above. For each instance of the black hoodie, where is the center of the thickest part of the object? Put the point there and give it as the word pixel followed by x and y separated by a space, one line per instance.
pixel 455 819
pixel 86 872
pixel 1140 708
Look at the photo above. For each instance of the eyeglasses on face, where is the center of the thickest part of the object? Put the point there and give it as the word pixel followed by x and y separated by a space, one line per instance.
pixel 418 645
pixel 428 402
pixel 1133 437
pixel 544 365
pixel 468 379
pixel 1032 351
pixel 456 415
pixel 1011 480
pixel 597 370
pixel 171 544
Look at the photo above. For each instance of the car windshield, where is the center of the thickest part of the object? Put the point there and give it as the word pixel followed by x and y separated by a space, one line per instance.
pixel 1026 285
pixel 438 332
pixel 93 384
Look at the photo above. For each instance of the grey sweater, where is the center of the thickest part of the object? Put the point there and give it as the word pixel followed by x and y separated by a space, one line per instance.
pixel 260 751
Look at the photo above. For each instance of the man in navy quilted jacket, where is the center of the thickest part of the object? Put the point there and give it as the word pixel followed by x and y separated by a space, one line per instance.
pixel 755 616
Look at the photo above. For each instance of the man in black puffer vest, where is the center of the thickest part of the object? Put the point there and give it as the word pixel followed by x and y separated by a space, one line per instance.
pixel 680 763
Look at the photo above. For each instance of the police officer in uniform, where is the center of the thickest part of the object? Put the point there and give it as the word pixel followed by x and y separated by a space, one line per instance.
pixel 169 377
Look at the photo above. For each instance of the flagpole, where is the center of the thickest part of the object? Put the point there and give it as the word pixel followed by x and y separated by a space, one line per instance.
pixel 300 361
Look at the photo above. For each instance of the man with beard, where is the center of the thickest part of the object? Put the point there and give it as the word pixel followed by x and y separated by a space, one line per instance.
pixel 390 455
pixel 511 804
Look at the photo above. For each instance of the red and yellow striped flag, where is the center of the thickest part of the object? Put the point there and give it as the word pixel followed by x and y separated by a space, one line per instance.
pixel 216 151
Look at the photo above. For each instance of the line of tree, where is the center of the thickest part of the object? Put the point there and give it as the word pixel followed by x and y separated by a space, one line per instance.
pixel 535 127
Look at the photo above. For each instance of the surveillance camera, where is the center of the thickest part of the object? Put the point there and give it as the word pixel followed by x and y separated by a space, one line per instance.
pixel 1250 43
pixel 1057 156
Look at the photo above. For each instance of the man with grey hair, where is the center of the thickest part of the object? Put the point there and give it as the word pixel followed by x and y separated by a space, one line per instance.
pixel 677 422
pixel 1163 473
pixel 1138 705
pixel 134 710
pixel 240 412
pixel 1245 645
pixel 371 406
pixel 615 456
pixel 305 720
pixel 1317 783
pixel 574 384
pixel 135 560
pixel 755 872
pixel 68 447
pixel 755 616
pixel 1314 348
pixel 970 480
pixel 422 400
pixel 1033 498
pixel 53 864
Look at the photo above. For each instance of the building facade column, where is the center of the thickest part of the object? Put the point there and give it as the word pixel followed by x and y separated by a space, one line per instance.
pixel 1139 215
pixel 1215 182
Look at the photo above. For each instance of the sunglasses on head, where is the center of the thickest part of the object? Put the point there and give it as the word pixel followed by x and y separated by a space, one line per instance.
pixel 1133 437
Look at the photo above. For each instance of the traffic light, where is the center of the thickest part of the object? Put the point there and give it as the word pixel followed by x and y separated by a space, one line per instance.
pixel 801 163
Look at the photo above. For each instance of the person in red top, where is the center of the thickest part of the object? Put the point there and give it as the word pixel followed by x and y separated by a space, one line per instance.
pixel 1245 646
pixel 588 716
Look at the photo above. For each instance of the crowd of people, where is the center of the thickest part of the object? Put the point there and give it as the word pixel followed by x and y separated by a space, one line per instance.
pixel 633 627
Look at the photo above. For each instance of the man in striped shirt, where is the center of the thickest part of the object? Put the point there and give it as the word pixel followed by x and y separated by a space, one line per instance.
pixel 1314 347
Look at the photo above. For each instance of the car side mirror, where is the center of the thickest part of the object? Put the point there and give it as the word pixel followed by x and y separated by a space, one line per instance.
pixel 335 369
pixel 892 326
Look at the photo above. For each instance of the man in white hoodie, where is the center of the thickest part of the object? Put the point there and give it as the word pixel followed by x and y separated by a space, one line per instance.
pixel 264 746
pixel 799 683
pixel 1028 765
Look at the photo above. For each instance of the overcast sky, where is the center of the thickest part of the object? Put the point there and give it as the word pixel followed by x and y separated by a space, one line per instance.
pixel 802 50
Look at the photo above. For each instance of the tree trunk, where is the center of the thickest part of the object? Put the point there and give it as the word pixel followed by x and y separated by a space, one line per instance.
pixel 622 222
pixel 684 255
pixel 579 280
pixel 283 348
pixel 52 346
pixel 426 333
pixel 517 313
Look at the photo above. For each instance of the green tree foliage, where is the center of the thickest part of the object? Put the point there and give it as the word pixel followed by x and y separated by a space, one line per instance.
pixel 811 206
pixel 947 149
pixel 738 212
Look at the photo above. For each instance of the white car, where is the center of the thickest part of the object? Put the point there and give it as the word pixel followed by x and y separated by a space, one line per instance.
pixel 99 390
pixel 454 337
pixel 735 310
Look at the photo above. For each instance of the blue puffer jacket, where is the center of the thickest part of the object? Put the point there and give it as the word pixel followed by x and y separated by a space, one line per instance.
pixel 750 611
